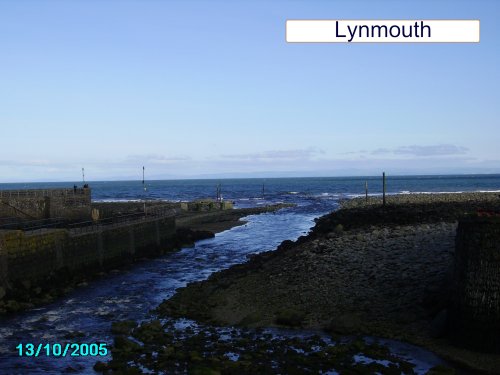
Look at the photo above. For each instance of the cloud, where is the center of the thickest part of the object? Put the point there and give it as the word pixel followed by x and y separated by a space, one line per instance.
pixel 438 159
pixel 155 159
pixel 298 154
pixel 423 151
pixel 25 163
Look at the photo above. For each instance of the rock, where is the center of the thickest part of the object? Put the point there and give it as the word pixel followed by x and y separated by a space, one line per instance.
pixel 2 292
pixel 441 370
pixel 149 331
pixel 101 366
pixel 439 324
pixel 12 306
pixel 406 317
pixel 202 370
pixel 124 344
pixel 345 324
pixel 250 319
pixel 123 327
pixel 289 318
pixel 47 298
pixel 194 356
pixel 68 289
pixel 26 284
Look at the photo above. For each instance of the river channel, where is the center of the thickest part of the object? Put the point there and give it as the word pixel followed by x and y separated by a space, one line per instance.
pixel 85 315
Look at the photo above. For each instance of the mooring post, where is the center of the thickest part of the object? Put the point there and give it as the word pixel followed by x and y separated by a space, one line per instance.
pixel 383 189
pixel 366 191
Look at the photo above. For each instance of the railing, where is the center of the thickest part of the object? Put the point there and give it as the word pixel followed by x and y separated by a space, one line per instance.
pixel 116 221
pixel 17 210
pixel 34 224
pixel 38 226
pixel 164 210
pixel 42 192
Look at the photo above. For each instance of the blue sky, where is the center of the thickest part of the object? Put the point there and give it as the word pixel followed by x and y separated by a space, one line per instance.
pixel 211 88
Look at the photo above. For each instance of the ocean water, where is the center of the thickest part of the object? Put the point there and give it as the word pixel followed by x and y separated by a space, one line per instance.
pixel 251 192
pixel 132 293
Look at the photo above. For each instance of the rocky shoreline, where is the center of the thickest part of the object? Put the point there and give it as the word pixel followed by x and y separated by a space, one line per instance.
pixel 365 269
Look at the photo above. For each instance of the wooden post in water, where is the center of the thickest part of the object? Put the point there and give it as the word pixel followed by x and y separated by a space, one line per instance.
pixel 383 189
pixel 366 191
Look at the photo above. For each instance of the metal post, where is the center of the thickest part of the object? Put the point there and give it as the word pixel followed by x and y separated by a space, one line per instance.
pixel 144 189
pixel 83 175
pixel 383 187
pixel 366 191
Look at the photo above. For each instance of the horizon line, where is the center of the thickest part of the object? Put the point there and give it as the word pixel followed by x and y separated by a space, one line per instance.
pixel 258 178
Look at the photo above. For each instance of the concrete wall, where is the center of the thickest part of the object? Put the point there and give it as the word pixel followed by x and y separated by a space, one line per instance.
pixel 43 204
pixel 33 257
pixel 475 313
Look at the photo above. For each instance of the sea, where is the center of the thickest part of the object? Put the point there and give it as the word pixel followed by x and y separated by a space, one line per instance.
pixel 88 311
pixel 255 191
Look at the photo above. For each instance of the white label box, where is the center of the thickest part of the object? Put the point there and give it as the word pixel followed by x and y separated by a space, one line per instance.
pixel 382 31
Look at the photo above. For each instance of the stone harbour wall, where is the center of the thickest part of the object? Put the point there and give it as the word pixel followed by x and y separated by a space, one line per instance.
pixel 475 314
pixel 72 204
pixel 31 257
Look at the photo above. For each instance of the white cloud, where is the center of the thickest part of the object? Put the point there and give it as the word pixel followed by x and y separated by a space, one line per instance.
pixel 422 151
pixel 297 154
pixel 155 159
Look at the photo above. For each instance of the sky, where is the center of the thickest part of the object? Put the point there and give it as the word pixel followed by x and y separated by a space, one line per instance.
pixel 211 89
